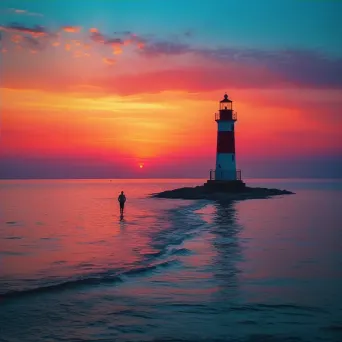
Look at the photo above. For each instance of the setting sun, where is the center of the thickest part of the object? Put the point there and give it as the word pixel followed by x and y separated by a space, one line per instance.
pixel 141 166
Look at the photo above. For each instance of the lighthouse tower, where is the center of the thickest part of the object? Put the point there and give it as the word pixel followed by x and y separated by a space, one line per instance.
pixel 225 173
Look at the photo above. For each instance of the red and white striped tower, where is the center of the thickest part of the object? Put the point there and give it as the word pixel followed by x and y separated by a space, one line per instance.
pixel 225 152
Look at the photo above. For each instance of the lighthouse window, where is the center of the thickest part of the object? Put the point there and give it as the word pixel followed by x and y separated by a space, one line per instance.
pixel 232 127
pixel 233 157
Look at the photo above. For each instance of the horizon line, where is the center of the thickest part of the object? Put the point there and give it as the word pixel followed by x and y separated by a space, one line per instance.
pixel 167 178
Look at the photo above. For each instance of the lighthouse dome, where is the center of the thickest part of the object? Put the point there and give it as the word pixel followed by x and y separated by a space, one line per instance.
pixel 226 104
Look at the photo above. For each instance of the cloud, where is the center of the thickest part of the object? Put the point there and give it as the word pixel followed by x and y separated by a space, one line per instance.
pixel 124 33
pixel 71 29
pixel 199 77
pixel 24 12
pixel 165 48
pixel 126 38
pixel 114 41
pixel 109 61
pixel 96 36
pixel 31 38
pixel 35 31
pixel 295 67
pixel 32 43
pixel 21 34
pixel 16 38
pixel 211 68
pixel 191 79
pixel 298 67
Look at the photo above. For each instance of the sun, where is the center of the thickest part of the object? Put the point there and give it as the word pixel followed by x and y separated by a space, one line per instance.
pixel 141 166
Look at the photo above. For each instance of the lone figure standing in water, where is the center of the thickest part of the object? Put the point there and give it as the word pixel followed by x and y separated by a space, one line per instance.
pixel 122 200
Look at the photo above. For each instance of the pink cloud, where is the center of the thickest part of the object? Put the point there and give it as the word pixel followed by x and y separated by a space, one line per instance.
pixel 191 79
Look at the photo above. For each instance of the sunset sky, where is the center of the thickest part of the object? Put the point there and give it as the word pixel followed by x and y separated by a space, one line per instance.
pixel 129 88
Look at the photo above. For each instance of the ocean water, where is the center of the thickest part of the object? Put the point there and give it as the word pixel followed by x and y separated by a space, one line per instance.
pixel 170 270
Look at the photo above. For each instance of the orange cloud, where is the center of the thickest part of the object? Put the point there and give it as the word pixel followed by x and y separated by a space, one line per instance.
pixel 109 61
pixel 16 38
pixel 117 50
pixel 71 29
pixel 78 54
pixel 54 39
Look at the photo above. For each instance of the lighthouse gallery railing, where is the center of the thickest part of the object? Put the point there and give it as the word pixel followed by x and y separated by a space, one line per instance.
pixel 213 174
pixel 218 116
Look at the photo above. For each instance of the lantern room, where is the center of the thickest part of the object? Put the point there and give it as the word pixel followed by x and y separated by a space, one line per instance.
pixel 226 104
pixel 226 112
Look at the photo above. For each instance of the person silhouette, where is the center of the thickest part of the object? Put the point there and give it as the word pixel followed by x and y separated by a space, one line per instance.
pixel 122 200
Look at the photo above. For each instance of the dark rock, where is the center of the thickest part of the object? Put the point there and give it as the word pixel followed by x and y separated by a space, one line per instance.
pixel 203 192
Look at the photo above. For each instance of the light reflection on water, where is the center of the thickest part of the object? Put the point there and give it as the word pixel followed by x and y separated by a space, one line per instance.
pixel 258 270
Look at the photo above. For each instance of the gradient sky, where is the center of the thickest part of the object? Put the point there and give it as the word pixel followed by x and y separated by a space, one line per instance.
pixel 99 88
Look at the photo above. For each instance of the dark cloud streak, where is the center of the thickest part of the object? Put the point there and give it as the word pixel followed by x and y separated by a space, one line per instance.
pixel 166 48
pixel 37 30
pixel 306 68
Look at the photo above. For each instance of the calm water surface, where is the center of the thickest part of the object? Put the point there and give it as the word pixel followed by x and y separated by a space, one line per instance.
pixel 170 270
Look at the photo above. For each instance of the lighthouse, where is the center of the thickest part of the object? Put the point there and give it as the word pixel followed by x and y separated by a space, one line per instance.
pixel 225 174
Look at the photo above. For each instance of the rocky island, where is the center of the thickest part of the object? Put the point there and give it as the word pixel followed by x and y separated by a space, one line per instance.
pixel 222 193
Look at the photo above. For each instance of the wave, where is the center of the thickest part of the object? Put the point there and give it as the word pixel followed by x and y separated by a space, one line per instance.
pixel 267 307
pixel 290 306
pixel 180 251
pixel 94 279
pixel 183 224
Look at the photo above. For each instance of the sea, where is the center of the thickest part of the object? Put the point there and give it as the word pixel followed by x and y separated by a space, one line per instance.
pixel 264 270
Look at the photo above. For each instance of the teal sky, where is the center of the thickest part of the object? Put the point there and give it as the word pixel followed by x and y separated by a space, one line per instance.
pixel 267 24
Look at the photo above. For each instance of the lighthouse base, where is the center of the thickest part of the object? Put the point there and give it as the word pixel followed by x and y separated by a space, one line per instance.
pixel 224 186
